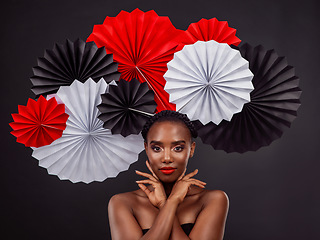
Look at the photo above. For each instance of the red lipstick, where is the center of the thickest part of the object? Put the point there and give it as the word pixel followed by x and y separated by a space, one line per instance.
pixel 167 170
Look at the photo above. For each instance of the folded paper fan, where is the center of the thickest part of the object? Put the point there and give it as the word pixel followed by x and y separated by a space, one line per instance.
pixel 127 107
pixel 273 107
pixel 72 60
pixel 208 81
pixel 142 43
pixel 86 151
pixel 39 123
pixel 209 29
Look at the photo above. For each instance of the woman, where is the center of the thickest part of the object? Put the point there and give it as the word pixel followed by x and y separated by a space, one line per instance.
pixel 169 204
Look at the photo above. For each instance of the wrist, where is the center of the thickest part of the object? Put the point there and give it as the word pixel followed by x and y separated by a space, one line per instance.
pixel 173 200
pixel 161 204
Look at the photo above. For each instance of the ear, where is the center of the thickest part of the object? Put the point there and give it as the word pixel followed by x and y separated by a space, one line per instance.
pixel 193 147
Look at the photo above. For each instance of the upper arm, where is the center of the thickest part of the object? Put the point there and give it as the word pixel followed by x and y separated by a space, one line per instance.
pixel 123 224
pixel 210 222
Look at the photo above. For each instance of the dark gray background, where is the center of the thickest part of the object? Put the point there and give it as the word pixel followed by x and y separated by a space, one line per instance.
pixel 274 192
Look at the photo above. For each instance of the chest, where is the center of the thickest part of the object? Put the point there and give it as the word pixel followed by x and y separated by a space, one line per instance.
pixel 187 212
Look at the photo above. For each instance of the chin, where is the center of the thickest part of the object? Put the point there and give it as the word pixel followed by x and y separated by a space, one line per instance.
pixel 168 178
pixel 166 181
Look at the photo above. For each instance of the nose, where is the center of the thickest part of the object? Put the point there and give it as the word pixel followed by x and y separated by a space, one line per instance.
pixel 167 156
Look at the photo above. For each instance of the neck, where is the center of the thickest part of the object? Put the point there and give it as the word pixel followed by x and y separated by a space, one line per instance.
pixel 168 188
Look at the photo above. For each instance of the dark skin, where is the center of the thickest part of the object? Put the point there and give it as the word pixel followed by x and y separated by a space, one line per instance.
pixel 165 201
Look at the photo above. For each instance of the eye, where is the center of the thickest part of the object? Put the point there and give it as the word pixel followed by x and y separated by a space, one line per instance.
pixel 178 148
pixel 156 148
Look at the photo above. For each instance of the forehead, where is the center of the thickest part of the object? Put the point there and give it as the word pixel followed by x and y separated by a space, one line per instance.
pixel 169 131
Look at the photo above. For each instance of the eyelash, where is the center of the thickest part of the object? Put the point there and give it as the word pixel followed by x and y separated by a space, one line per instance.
pixel 181 148
pixel 154 148
pixel 157 149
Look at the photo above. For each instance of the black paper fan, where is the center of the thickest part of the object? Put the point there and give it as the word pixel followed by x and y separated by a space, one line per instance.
pixel 72 60
pixel 126 107
pixel 273 107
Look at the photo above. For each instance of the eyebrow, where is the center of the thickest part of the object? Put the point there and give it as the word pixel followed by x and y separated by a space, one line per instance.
pixel 175 142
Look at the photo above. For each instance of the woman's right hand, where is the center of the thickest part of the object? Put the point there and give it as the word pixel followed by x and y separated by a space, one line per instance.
pixel 157 196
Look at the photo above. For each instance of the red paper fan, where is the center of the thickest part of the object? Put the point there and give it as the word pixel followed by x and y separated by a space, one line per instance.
pixel 39 123
pixel 142 43
pixel 206 30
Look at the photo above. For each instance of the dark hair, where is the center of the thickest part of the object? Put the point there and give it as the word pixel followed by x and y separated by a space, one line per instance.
pixel 168 115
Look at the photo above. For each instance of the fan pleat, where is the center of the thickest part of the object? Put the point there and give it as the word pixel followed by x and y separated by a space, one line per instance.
pixel 85 153
pixel 126 107
pixel 272 109
pixel 209 76
pixel 72 60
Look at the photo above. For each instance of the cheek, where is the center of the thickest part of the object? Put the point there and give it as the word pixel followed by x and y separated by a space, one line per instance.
pixel 181 158
pixel 152 156
pixel 154 159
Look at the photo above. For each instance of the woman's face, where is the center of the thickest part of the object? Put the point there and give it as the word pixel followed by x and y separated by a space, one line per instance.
pixel 169 148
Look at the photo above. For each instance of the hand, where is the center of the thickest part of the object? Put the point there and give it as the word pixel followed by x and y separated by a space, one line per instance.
pixel 182 185
pixel 157 197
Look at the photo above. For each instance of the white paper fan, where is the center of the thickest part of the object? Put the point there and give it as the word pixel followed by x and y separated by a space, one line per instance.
pixel 208 81
pixel 86 151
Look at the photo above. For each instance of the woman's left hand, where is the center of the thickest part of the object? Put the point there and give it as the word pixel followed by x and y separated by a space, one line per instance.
pixel 182 185
pixel 157 197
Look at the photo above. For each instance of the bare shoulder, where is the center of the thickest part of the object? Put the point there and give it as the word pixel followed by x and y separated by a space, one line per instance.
pixel 210 222
pixel 122 199
pixel 216 197
pixel 123 224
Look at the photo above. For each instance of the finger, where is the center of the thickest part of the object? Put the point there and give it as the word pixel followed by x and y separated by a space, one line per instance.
pixel 190 175
pixel 147 181
pixel 204 183
pixel 147 175
pixel 196 183
pixel 144 189
pixel 199 185
pixel 196 180
pixel 181 176
pixel 149 167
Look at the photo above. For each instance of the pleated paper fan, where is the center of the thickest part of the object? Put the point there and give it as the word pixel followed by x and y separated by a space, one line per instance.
pixel 142 43
pixel 86 151
pixel 127 107
pixel 209 29
pixel 39 123
pixel 208 81
pixel 273 107
pixel 72 60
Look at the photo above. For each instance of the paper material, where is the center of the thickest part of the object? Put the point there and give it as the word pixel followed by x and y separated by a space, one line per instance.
pixel 273 107
pixel 72 60
pixel 86 151
pixel 209 29
pixel 127 107
pixel 39 123
pixel 208 81
pixel 142 43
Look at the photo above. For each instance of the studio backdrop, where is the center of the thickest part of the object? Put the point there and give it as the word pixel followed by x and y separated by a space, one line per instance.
pixel 270 174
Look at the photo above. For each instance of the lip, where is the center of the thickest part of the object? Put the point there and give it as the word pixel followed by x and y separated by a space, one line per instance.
pixel 167 170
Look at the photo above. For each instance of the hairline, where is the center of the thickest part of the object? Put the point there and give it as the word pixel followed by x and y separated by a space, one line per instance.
pixel 173 120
